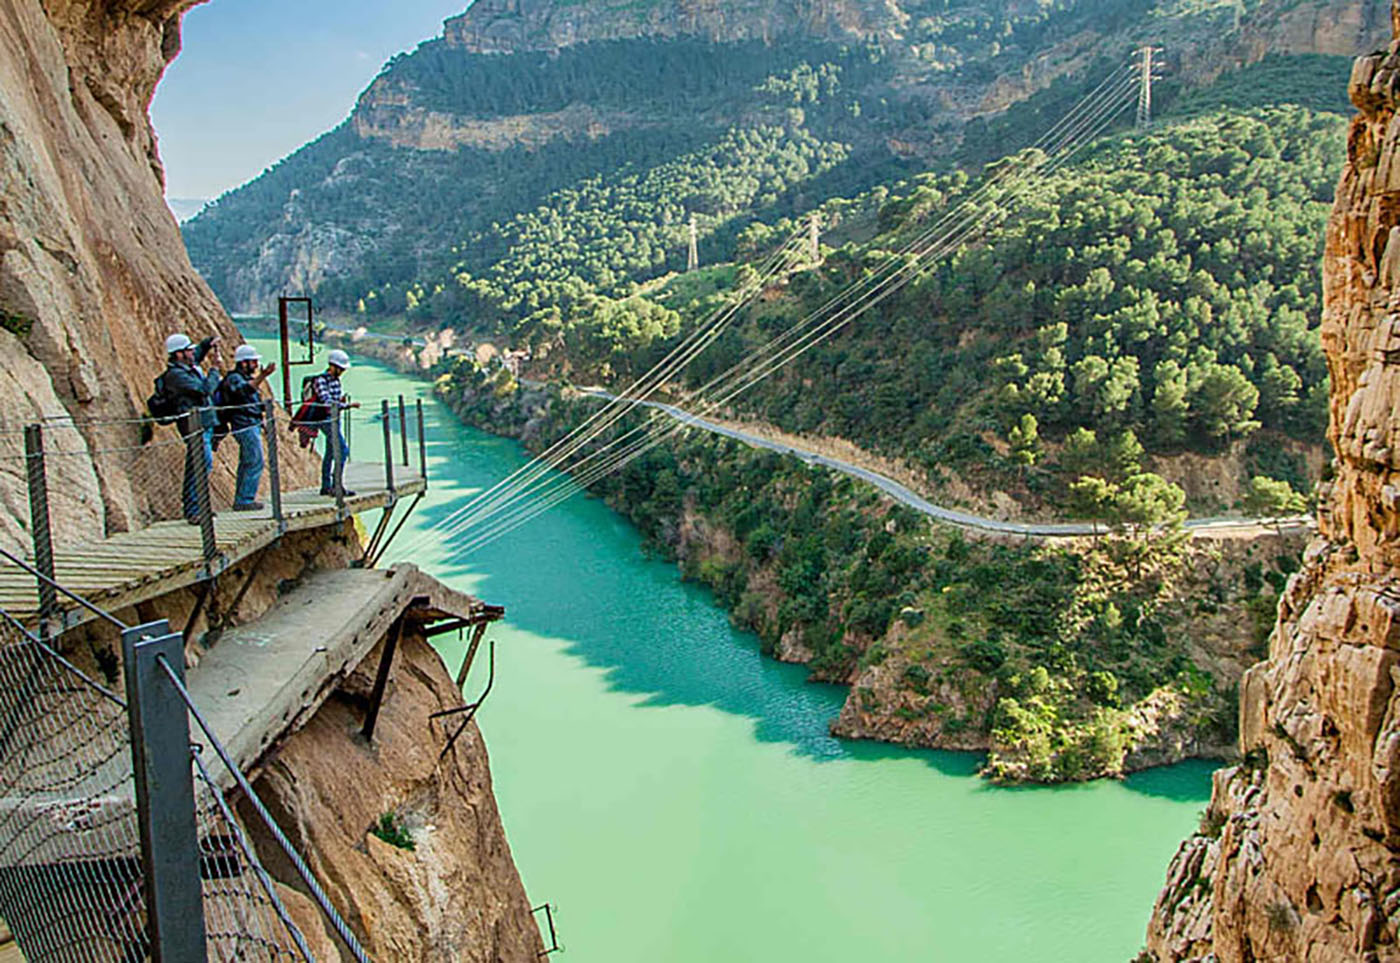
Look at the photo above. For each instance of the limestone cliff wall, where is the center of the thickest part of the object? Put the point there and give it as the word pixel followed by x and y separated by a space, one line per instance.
pixel 497 26
pixel 93 273
pixel 93 276
pixel 456 896
pixel 1297 857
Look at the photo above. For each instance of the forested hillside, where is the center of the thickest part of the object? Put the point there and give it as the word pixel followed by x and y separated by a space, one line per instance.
pixel 1158 296
pixel 475 188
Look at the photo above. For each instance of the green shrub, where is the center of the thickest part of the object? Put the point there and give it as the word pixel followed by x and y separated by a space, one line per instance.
pixel 18 325
pixel 392 831
pixel 984 655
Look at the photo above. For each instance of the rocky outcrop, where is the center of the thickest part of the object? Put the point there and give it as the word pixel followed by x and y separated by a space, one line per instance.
pixel 389 113
pixel 93 274
pixel 508 26
pixel 1297 858
pixel 954 707
pixel 455 896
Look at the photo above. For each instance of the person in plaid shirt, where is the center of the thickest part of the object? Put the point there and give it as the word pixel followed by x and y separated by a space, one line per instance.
pixel 327 390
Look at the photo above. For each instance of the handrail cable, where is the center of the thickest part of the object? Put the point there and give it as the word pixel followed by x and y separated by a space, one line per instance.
pixel 317 893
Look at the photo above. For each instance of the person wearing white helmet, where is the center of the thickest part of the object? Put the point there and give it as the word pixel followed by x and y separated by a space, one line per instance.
pixel 240 411
pixel 189 391
pixel 328 392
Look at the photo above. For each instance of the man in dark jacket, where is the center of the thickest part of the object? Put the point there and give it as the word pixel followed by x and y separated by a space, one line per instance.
pixel 243 414
pixel 191 391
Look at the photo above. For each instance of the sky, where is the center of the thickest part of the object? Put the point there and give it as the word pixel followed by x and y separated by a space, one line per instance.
pixel 259 78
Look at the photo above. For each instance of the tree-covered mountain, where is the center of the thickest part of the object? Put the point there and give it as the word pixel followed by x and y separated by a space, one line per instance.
pixel 538 150
pixel 1149 307
pixel 1157 297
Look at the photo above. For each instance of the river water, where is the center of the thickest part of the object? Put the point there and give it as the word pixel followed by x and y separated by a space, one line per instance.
pixel 677 796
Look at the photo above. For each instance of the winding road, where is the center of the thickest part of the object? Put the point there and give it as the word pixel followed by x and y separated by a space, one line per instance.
pixel 952 516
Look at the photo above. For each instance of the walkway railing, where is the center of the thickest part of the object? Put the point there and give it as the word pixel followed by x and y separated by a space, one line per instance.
pixel 98 478
pixel 115 842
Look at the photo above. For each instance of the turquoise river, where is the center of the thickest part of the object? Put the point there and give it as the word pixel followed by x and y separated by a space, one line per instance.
pixel 678 798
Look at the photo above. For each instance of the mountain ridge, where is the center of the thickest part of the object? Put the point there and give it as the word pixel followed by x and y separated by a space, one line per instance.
pixel 448 141
pixel 513 26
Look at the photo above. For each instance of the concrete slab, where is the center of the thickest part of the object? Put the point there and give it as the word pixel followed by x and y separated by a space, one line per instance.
pixel 265 679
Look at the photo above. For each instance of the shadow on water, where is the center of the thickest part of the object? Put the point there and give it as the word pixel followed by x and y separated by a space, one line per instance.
pixel 633 617
pixel 651 633
pixel 1184 782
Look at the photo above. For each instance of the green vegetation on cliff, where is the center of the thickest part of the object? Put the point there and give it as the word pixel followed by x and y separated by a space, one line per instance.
pixel 1059 659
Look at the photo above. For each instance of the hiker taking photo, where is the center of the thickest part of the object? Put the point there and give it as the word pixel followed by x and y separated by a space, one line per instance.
pixel 241 415
pixel 185 396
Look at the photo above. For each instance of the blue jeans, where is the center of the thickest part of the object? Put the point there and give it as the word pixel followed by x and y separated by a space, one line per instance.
pixel 328 463
pixel 250 464
pixel 191 495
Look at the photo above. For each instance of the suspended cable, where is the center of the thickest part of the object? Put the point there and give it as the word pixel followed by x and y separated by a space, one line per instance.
pixel 673 362
pixel 1087 129
pixel 1093 105
pixel 1079 126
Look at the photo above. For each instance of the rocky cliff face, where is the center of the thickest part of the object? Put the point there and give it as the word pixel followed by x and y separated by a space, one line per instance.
pixel 93 274
pixel 455 897
pixel 508 26
pixel 1297 859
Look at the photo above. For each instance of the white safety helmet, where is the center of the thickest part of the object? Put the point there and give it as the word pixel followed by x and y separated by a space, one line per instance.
pixel 246 352
pixel 340 359
pixel 177 342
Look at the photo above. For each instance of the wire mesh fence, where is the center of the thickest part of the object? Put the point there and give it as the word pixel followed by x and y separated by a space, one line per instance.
pixel 71 866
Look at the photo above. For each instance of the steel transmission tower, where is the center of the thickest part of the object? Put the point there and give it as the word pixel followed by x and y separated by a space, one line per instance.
pixel 1148 68
pixel 693 261
pixel 814 236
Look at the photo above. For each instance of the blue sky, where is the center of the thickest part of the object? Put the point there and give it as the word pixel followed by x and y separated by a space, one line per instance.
pixel 259 78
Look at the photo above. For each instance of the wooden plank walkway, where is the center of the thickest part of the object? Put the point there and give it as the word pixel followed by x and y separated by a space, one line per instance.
pixel 132 567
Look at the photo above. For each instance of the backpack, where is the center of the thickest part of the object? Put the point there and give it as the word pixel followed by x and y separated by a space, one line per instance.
pixel 223 403
pixel 312 414
pixel 161 405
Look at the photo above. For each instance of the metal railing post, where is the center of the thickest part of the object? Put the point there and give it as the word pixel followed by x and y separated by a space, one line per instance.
pixel 194 454
pixel 403 430
pixel 37 478
pixel 388 446
pixel 422 448
pixel 160 757
pixel 274 468
pixel 337 463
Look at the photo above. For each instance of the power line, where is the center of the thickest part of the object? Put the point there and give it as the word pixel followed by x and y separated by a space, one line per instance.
pixel 1100 110
pixel 1094 114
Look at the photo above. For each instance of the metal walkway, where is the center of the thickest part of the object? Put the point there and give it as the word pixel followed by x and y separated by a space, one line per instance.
pixel 132 567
